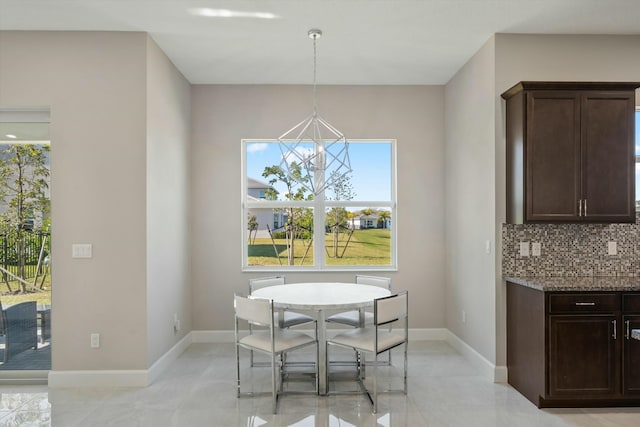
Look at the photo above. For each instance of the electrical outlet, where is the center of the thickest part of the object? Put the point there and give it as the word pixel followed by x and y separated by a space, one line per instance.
pixel 95 340
pixel 536 248
pixel 487 246
pixel 176 323
pixel 612 248
pixel 464 316
pixel 524 249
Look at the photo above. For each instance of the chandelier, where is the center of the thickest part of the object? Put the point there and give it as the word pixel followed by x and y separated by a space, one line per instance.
pixel 314 153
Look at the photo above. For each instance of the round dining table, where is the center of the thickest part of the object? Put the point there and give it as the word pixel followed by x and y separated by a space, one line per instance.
pixel 317 299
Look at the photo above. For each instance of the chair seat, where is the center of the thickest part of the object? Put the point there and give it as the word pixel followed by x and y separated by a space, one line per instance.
pixel 351 318
pixel 284 340
pixel 363 339
pixel 292 318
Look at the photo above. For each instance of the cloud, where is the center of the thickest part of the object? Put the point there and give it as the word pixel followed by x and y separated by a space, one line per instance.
pixel 256 147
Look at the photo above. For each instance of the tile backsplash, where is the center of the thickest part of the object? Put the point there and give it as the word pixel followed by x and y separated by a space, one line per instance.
pixel 572 249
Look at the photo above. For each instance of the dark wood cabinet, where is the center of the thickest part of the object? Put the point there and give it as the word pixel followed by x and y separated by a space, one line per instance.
pixel 573 349
pixel 570 152
pixel 583 359
pixel 631 347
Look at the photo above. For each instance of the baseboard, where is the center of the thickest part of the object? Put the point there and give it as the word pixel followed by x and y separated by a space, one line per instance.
pixel 144 377
pixel 169 357
pixel 497 374
pixel 24 376
pixel 119 378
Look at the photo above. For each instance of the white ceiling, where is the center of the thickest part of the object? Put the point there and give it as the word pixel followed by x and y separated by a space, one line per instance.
pixel 364 41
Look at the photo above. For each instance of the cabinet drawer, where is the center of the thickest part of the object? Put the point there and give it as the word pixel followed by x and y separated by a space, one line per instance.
pixel 631 303
pixel 583 303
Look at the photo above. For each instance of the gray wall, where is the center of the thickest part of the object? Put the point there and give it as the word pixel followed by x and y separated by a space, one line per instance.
pixel 95 84
pixel 167 203
pixel 223 115
pixel 470 202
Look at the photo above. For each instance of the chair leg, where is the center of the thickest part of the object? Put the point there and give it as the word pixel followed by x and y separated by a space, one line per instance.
pixel 250 351
pixel 375 384
pixel 274 386
pixel 406 365
pixel 318 367
pixel 237 370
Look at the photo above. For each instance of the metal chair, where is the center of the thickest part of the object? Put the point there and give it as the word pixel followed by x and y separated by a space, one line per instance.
pixel 284 318
pixel 20 328
pixel 358 318
pixel 272 341
pixel 378 338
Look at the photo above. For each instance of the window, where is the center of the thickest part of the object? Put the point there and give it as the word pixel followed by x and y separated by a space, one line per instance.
pixel 349 225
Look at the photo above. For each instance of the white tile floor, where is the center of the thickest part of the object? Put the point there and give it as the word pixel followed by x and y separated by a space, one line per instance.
pixel 199 390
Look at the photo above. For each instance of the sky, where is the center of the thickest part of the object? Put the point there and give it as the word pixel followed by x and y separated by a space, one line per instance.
pixel 370 162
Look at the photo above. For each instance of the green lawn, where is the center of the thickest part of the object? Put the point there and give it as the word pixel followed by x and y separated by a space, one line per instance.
pixel 366 247
pixel 8 298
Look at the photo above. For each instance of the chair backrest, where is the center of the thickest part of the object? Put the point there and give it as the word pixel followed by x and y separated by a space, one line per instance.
pixel 391 308
pixel 21 328
pixel 254 310
pixel 383 282
pixel 263 282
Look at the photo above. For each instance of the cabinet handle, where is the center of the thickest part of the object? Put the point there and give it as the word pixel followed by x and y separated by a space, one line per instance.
pixel 585 207
pixel 615 333
pixel 626 329
pixel 580 207
pixel 585 303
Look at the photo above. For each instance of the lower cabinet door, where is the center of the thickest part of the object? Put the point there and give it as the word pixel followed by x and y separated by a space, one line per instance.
pixel 583 360
pixel 631 357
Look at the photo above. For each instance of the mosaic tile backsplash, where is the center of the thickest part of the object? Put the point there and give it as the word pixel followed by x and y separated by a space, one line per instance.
pixel 572 249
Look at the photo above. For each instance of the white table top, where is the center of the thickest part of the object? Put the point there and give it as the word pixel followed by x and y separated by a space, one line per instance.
pixel 322 295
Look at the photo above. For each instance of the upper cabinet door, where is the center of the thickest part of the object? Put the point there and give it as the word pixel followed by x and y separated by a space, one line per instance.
pixel 608 156
pixel 570 152
pixel 553 156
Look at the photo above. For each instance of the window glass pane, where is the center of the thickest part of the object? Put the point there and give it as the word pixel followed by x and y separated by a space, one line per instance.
pixel 358 236
pixel 280 236
pixel 265 164
pixel 370 179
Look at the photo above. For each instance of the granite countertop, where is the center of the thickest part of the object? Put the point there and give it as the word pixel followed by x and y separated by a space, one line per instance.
pixel 589 284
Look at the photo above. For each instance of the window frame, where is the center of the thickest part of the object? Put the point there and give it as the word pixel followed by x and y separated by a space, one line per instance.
pixel 320 207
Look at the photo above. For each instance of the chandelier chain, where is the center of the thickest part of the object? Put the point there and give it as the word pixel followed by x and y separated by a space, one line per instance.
pixel 315 101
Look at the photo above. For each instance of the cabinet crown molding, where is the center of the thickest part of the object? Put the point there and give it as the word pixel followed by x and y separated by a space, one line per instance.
pixel 545 85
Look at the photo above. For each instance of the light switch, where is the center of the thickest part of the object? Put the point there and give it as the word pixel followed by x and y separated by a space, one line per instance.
pixel 81 250
pixel 524 249
pixel 612 248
